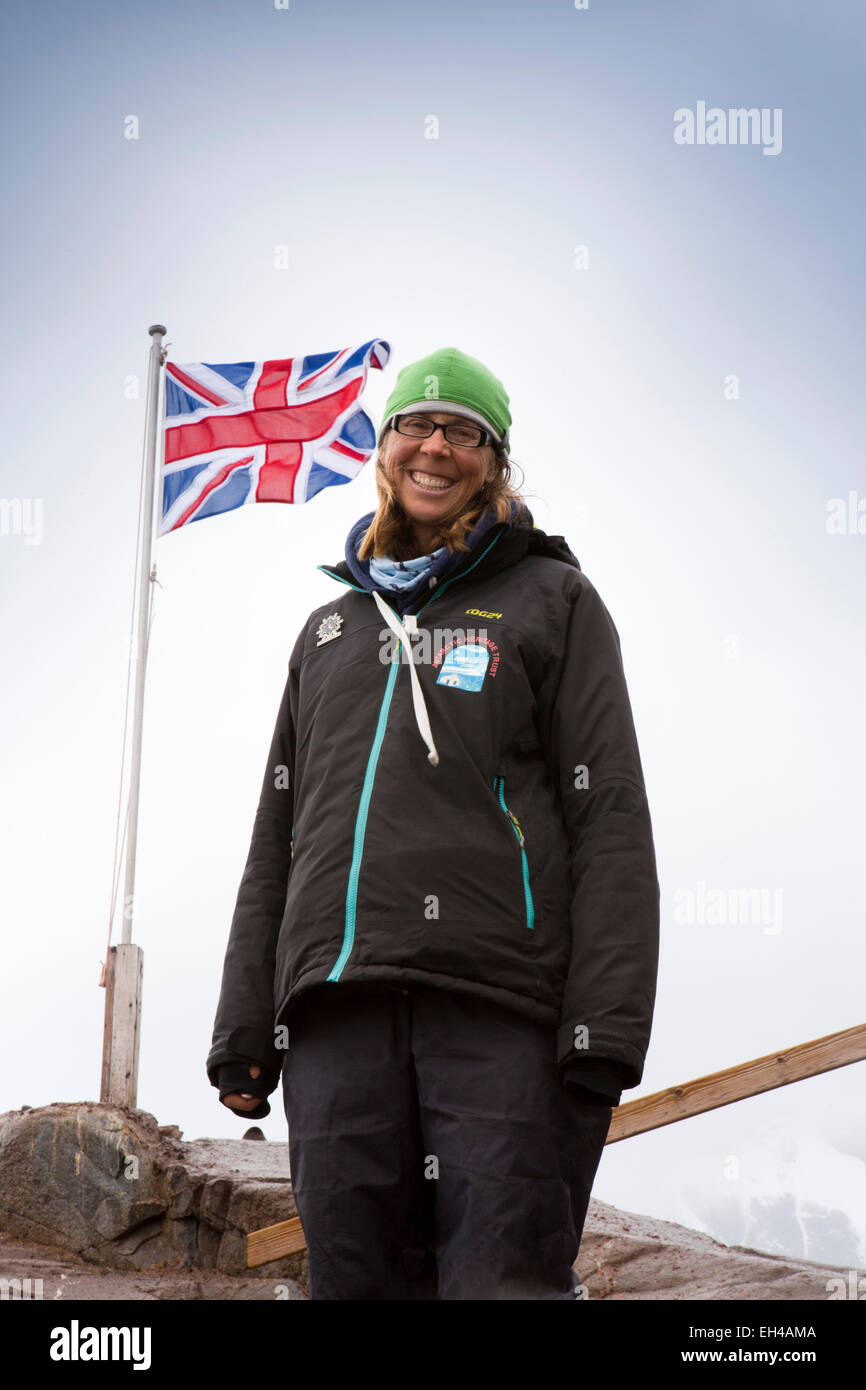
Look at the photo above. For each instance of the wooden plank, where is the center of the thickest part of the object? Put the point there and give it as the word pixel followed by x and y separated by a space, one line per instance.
pixel 661 1108
pixel 738 1083
pixel 273 1241
pixel 122 1033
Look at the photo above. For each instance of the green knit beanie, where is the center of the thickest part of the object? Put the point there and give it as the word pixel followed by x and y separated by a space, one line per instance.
pixel 452 382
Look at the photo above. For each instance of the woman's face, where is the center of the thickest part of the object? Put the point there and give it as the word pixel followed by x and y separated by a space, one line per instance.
pixel 435 480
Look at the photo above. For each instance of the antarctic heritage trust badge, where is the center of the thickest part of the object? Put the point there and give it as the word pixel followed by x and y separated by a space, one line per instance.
pixel 328 628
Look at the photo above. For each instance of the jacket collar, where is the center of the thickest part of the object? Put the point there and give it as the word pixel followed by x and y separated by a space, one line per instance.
pixel 493 546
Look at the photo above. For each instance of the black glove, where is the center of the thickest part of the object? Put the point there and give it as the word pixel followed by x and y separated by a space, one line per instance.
pixel 595 1080
pixel 235 1079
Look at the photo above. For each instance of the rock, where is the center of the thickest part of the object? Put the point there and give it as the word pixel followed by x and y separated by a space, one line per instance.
pixel 626 1256
pixel 116 1189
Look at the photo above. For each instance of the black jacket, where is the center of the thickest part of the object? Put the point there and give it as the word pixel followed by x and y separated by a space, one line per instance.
pixel 507 852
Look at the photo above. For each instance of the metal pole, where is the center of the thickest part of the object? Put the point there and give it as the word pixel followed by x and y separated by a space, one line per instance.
pixel 125 964
pixel 157 332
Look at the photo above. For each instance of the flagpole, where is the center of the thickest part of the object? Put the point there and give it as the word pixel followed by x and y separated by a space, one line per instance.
pixel 157 333
pixel 125 963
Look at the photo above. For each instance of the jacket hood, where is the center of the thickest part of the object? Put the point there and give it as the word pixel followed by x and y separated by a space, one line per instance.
pixel 505 543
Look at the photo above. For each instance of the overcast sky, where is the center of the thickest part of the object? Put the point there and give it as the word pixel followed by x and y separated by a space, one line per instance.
pixel 680 329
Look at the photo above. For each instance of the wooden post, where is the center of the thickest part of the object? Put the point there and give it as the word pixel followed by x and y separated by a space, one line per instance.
pixel 123 975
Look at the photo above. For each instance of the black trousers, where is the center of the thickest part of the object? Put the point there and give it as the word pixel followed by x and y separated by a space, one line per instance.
pixel 435 1153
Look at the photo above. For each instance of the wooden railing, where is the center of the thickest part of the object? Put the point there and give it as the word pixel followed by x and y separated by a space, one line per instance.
pixel 654 1111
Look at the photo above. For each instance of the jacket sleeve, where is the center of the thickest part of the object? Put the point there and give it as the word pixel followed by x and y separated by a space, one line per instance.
pixel 244 1024
pixel 586 725
pixel 598 1080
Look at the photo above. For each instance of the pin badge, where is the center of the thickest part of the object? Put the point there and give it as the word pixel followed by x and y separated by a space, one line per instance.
pixel 328 629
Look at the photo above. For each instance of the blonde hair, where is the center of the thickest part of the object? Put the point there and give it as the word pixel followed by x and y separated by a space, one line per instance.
pixel 391 533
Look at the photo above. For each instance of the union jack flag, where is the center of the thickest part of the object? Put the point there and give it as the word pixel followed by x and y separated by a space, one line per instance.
pixel 276 431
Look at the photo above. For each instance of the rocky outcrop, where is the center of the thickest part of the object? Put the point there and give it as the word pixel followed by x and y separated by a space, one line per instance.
pixel 626 1256
pixel 116 1189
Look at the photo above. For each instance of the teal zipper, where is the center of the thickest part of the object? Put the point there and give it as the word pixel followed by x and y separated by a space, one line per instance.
pixel 361 827
pixel 370 774
pixel 527 891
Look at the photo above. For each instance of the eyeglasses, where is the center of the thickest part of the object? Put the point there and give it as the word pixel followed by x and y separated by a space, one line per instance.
pixel 463 433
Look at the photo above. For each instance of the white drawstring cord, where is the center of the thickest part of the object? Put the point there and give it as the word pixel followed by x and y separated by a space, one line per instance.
pixel 402 630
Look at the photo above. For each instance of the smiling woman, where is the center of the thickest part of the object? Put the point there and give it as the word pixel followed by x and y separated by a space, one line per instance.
pixel 460 939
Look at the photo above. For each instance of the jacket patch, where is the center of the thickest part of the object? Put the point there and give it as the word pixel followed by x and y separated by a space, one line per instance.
pixel 465 664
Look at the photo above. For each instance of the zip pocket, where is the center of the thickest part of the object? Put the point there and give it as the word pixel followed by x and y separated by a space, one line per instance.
pixel 499 788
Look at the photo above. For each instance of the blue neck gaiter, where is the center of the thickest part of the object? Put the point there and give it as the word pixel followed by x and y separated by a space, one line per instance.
pixel 398 575
pixel 435 566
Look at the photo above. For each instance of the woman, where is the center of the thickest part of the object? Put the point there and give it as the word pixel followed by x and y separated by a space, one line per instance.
pixel 450 902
